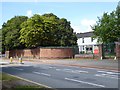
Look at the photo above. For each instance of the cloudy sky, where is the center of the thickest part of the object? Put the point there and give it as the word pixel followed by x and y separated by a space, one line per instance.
pixel 80 14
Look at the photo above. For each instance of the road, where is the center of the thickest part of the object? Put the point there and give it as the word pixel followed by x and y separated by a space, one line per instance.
pixel 60 76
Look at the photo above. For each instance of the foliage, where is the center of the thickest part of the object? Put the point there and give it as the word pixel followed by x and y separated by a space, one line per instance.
pixel 47 30
pixel 0 40
pixel 10 33
pixel 107 28
pixel 39 30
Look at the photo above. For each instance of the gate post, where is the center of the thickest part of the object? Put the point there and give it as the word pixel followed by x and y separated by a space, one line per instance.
pixel 101 54
pixel 117 50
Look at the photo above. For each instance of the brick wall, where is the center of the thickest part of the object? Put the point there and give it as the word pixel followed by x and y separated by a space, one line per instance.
pixel 118 50
pixel 42 53
pixel 56 53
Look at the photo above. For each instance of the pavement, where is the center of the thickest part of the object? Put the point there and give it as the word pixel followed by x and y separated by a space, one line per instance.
pixel 100 64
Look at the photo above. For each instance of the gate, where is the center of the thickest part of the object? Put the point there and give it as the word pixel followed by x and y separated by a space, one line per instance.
pixel 109 50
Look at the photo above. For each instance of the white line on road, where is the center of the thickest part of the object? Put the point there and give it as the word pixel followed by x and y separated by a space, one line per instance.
pixel 51 67
pixel 112 73
pixel 102 71
pixel 74 71
pixel 58 69
pixel 84 82
pixel 18 69
pixel 107 75
pixel 98 69
pixel 109 72
pixel 46 74
pixel 67 69
pixel 42 74
pixel 80 71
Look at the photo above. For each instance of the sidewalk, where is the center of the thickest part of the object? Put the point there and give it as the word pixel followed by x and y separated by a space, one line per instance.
pixel 100 64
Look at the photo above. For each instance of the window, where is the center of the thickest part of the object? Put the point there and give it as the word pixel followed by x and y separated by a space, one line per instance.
pixel 91 39
pixel 87 48
pixel 82 40
pixel 90 48
pixel 83 47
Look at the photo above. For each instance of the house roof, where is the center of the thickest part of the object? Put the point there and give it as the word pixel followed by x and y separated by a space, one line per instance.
pixel 86 34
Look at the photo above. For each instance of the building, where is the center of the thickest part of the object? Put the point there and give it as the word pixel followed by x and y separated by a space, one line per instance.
pixel 86 43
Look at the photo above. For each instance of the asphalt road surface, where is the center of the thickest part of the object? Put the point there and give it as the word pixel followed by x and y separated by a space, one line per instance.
pixel 59 76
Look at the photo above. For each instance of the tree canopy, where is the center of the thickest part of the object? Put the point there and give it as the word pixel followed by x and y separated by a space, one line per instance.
pixel 47 30
pixel 107 28
pixel 39 30
pixel 10 33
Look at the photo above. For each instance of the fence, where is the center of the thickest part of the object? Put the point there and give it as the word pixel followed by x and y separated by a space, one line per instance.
pixel 106 51
pixel 109 50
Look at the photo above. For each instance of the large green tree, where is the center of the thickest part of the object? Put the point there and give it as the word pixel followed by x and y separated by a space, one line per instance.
pixel 107 28
pixel 47 30
pixel 10 33
pixel 32 31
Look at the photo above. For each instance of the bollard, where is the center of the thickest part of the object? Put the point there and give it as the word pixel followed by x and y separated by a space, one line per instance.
pixel 101 58
pixel 20 60
pixel 11 59
pixel 115 58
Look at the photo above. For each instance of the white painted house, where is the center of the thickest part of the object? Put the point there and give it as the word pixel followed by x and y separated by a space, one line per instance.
pixel 86 43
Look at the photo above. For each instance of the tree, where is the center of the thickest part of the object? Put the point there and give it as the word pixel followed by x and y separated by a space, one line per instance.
pixel 10 33
pixel 0 40
pixel 118 21
pixel 61 31
pixel 65 36
pixel 50 28
pixel 32 31
pixel 107 28
pixel 47 30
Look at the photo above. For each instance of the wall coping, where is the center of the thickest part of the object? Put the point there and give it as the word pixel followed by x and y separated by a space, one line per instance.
pixel 117 43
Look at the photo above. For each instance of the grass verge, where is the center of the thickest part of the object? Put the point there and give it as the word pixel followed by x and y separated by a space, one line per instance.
pixel 13 83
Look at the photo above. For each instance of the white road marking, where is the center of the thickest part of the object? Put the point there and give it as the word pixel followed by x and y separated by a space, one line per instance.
pixel 58 69
pixel 112 73
pixel 81 71
pixel 74 71
pixel 46 74
pixel 18 69
pixel 84 82
pixel 109 72
pixel 101 71
pixel 67 69
pixel 107 75
pixel 51 67
pixel 42 74
pixel 36 72
pixel 98 69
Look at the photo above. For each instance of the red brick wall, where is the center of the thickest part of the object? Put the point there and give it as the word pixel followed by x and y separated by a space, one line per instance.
pixel 56 53
pixel 42 53
pixel 118 50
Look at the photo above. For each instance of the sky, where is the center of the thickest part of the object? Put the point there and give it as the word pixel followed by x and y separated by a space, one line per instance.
pixel 80 14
